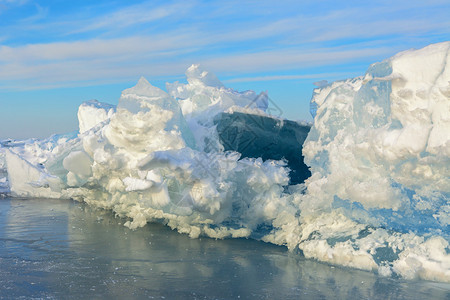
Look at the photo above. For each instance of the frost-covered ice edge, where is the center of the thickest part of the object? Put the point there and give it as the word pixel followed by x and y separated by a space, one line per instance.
pixel 379 153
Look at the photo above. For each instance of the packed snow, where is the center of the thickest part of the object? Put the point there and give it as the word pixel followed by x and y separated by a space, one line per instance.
pixel 378 151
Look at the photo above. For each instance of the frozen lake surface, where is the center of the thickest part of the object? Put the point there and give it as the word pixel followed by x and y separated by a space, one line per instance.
pixel 57 249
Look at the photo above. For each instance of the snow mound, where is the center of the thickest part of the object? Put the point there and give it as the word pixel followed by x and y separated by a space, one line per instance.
pixel 379 155
pixel 382 141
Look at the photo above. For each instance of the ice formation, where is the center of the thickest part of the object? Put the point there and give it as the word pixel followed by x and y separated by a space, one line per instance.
pixel 93 113
pixel 379 157
pixel 4 184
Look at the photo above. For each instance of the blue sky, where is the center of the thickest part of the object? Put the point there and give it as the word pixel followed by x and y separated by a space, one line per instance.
pixel 56 54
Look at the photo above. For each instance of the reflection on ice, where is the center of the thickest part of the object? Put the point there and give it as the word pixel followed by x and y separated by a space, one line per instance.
pixel 57 249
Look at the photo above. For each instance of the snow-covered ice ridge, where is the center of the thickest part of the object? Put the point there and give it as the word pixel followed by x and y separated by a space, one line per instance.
pixel 378 151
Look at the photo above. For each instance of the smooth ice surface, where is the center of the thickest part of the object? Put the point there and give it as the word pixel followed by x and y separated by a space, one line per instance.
pixel 377 198
pixel 55 249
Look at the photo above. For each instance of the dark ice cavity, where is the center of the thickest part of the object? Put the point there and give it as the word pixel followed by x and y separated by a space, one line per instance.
pixel 265 137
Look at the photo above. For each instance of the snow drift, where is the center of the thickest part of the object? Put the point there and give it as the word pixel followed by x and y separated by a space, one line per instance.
pixel 378 194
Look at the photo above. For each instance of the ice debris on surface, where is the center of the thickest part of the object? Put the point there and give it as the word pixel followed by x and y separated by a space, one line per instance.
pixel 31 154
pixel 377 199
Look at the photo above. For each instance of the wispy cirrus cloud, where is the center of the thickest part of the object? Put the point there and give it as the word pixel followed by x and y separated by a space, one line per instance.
pixel 41 13
pixel 286 59
pixel 15 2
pixel 283 77
pixel 93 49
pixel 108 40
pixel 142 13
pixel 99 61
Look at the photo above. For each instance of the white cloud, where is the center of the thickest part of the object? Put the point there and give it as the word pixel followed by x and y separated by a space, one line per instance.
pixel 284 77
pixel 135 14
pixel 169 37
pixel 7 4
pixel 291 59
pixel 119 48
pixel 41 13
pixel 16 2
pixel 102 60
